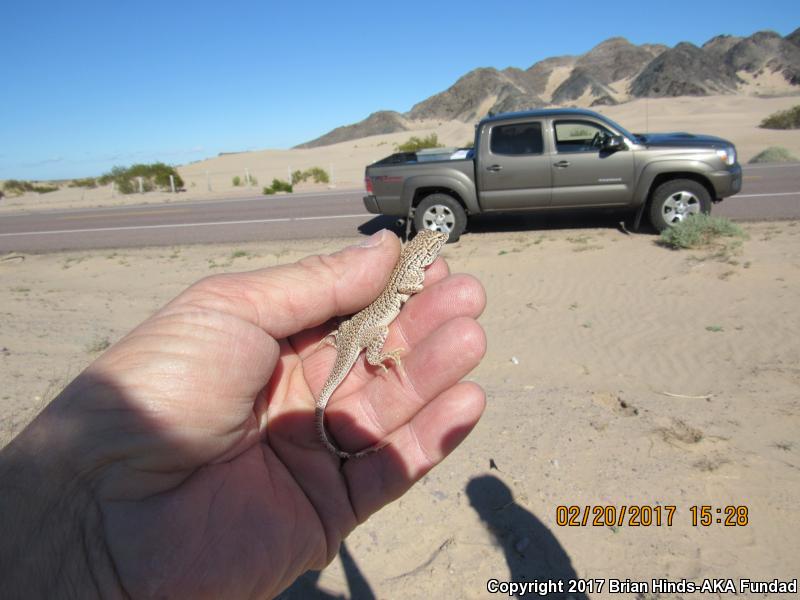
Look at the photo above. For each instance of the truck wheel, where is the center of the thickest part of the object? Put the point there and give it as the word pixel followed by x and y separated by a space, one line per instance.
pixel 677 199
pixel 441 212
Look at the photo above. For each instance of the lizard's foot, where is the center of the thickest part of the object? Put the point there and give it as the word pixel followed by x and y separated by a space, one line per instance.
pixel 393 356
pixel 327 341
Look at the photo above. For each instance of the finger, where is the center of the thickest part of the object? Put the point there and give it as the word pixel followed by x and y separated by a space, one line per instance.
pixel 413 450
pixel 289 298
pixel 367 416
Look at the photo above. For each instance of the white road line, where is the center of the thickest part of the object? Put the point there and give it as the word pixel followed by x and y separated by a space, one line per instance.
pixel 763 195
pixel 168 226
pixel 775 166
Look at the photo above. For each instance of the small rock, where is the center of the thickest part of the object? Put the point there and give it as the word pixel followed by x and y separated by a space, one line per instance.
pixel 515 360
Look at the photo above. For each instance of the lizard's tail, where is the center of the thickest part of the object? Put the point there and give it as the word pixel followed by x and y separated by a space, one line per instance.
pixel 341 367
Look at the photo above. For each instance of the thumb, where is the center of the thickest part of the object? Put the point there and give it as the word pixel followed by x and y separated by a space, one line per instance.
pixel 289 298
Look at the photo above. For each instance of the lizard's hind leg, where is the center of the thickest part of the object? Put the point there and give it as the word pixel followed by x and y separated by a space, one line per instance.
pixel 327 341
pixel 375 354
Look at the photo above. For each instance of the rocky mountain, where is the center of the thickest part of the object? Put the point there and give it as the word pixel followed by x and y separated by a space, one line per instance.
pixel 614 71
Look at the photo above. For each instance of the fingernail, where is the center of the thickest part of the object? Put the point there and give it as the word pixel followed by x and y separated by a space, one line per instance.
pixel 376 239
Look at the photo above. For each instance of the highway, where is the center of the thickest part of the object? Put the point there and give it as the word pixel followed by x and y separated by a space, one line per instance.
pixel 769 192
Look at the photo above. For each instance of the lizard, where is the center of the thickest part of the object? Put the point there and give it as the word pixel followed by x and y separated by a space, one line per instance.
pixel 369 328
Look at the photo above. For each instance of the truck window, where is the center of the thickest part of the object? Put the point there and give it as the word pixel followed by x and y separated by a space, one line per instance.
pixel 579 136
pixel 516 139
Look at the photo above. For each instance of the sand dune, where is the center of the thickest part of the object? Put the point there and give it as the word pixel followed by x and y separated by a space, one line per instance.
pixel 732 117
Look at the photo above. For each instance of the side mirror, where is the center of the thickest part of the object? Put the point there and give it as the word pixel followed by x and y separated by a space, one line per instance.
pixel 614 142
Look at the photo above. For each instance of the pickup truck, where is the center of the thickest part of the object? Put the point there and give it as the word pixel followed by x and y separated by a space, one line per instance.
pixel 555 159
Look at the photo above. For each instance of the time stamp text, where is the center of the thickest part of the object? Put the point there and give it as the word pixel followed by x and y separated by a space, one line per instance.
pixel 645 515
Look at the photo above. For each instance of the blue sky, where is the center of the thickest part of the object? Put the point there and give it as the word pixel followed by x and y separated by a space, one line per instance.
pixel 89 85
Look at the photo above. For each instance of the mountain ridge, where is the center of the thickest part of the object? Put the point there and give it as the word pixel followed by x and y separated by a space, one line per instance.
pixel 612 72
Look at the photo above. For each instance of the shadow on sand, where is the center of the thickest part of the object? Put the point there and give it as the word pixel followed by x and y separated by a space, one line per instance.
pixel 531 550
pixel 306 585
pixel 525 221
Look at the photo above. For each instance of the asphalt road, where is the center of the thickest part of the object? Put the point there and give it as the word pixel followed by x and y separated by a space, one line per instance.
pixel 769 192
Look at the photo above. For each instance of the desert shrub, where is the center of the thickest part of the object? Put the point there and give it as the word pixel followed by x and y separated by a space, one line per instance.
pixel 154 175
pixel 773 154
pixel 699 231
pixel 278 185
pixel 253 180
pixel 236 181
pixel 783 119
pixel 86 182
pixel 318 174
pixel 415 143
pixel 16 187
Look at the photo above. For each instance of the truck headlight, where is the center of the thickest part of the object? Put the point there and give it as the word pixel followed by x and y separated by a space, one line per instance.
pixel 727 155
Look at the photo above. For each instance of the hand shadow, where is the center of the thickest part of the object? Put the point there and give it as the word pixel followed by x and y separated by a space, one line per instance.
pixel 531 550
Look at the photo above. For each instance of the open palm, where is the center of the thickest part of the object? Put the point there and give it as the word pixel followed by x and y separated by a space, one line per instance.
pixel 198 426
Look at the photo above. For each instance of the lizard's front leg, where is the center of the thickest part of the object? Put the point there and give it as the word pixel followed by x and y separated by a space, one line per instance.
pixel 411 282
pixel 375 354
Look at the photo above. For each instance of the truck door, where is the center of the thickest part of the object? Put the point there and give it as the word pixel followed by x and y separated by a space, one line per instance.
pixel 513 170
pixel 585 175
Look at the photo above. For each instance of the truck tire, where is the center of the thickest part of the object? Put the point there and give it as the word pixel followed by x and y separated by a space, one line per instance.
pixel 677 199
pixel 441 212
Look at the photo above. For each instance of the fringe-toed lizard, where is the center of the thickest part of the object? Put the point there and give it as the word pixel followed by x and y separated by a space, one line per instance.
pixel 369 328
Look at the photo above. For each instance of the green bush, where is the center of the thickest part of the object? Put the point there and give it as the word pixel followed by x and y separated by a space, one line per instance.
pixel 278 185
pixel 318 174
pixel 783 119
pixel 773 154
pixel 415 143
pixel 86 182
pixel 17 187
pixel 699 231
pixel 237 181
pixel 154 175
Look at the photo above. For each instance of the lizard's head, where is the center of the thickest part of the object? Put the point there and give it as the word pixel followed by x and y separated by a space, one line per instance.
pixel 427 244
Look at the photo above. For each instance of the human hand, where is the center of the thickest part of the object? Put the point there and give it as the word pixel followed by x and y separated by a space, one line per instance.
pixel 187 453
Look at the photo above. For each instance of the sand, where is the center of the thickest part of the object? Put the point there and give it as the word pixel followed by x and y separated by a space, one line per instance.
pixel 732 117
pixel 618 373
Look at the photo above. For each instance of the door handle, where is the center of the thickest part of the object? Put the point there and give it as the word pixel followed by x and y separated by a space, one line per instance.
pixel 562 164
pixel 494 168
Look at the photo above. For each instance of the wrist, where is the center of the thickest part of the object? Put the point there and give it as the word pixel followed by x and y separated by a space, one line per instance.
pixel 53 543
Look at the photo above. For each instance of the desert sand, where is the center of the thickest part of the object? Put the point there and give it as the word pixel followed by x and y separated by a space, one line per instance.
pixel 732 117
pixel 618 373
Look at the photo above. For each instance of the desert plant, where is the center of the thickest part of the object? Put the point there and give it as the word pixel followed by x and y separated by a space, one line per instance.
pixel 415 143
pixel 267 191
pixel 279 185
pixel 783 119
pixel 318 174
pixel 237 181
pixel 86 182
pixel 16 187
pixel 154 175
pixel 700 231
pixel 773 154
